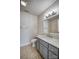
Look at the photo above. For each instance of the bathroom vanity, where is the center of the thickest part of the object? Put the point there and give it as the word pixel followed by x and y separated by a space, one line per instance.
pixel 48 37
pixel 48 47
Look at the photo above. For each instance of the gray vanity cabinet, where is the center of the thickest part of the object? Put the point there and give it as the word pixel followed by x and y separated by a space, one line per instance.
pixel 53 49
pixel 52 56
pixel 43 51
pixel 47 50
pixel 53 52
pixel 37 45
pixel 45 44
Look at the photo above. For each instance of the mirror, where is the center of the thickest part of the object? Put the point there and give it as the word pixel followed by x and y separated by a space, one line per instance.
pixel 51 21
pixel 50 26
pixel 53 25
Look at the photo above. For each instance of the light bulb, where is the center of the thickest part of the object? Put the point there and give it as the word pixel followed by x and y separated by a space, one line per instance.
pixel 23 3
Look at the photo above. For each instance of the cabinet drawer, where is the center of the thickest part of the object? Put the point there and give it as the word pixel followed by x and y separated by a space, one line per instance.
pixel 52 56
pixel 43 51
pixel 43 43
pixel 54 49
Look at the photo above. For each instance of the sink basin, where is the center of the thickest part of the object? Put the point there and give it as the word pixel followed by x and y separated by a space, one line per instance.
pixel 53 35
pixel 49 35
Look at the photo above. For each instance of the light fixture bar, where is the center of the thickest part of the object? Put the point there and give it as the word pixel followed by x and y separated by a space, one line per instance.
pixel 23 3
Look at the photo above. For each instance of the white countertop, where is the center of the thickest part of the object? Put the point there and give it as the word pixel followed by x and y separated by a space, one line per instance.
pixel 49 40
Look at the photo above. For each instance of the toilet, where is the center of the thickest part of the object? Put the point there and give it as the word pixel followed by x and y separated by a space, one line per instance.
pixel 33 42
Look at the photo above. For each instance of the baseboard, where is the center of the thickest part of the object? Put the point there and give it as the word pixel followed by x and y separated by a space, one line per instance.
pixel 22 45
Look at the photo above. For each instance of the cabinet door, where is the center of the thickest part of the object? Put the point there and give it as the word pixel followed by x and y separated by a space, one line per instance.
pixel 43 51
pixel 54 49
pixel 52 56
pixel 38 45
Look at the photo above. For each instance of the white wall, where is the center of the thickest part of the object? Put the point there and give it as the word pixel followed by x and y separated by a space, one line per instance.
pixel 28 24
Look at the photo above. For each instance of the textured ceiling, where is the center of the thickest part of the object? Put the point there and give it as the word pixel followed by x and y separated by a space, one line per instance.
pixel 36 7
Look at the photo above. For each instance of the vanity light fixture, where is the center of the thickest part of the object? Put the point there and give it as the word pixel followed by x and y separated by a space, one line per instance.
pixel 23 3
pixel 50 13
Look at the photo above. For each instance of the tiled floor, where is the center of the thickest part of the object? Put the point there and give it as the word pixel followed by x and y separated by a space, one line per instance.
pixel 28 52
